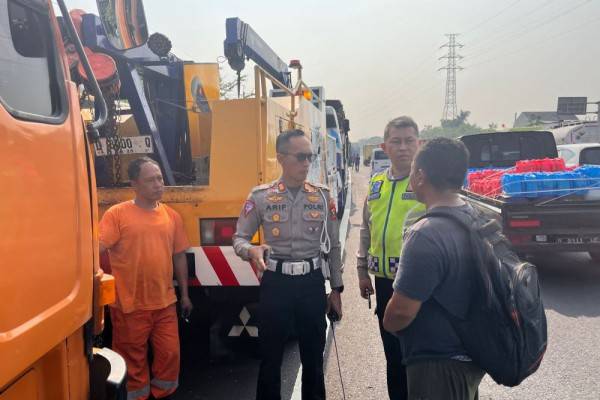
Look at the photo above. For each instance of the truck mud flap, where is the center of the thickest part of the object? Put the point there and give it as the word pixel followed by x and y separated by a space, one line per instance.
pixel 108 376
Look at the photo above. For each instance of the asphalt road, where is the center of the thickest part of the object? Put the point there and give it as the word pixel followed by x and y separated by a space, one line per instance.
pixel 570 370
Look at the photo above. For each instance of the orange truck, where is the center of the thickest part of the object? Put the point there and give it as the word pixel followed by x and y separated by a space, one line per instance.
pixel 52 287
pixel 212 150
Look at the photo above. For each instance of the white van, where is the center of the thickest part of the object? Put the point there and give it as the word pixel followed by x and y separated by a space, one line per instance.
pixel 379 161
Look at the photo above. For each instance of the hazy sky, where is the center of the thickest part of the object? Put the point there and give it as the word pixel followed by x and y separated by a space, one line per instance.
pixel 380 57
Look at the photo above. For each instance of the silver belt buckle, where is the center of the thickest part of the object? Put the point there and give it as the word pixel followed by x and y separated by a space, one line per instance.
pixel 297 268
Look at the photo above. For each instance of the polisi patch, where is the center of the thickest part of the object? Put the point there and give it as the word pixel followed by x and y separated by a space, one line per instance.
pixel 248 207
pixel 332 210
pixel 313 207
pixel 375 192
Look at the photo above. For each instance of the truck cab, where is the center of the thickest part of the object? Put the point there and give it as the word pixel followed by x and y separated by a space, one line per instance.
pixel 53 290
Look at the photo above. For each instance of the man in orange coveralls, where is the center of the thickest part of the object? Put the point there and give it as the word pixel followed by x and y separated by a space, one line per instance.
pixel 146 241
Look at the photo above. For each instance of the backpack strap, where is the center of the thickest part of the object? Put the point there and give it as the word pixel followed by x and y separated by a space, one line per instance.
pixel 478 251
pixel 462 222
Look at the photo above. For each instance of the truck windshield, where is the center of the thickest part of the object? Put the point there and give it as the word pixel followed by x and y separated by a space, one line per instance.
pixel 504 149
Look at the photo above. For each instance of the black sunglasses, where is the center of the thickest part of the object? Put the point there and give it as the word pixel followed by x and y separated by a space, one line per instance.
pixel 301 157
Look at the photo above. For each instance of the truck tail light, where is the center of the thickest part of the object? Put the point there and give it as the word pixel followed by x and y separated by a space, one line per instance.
pixel 525 223
pixel 217 232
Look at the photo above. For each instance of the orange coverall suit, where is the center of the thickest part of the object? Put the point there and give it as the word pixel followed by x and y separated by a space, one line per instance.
pixel 141 244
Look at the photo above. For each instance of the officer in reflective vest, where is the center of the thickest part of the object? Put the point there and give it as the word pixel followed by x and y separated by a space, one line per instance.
pixel 387 212
pixel 300 227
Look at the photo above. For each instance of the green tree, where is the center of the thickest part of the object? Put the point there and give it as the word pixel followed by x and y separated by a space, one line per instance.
pixel 453 128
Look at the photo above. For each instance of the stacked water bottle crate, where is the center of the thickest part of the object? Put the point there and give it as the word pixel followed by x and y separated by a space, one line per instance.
pixel 534 179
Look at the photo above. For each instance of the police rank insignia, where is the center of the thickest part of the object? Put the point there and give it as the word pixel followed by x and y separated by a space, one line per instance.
pixel 313 198
pixel 275 232
pixel 275 198
pixel 248 207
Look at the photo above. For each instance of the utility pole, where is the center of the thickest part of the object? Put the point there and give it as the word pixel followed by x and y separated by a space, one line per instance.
pixel 450 107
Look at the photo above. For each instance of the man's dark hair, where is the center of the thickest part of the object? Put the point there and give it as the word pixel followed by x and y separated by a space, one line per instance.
pixel 134 168
pixel 284 139
pixel 444 161
pixel 399 123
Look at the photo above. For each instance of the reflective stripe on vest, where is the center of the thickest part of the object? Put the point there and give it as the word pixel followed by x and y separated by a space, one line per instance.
pixel 388 220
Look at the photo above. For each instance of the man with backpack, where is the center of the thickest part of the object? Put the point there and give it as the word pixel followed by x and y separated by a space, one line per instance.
pixel 463 301
pixel 433 280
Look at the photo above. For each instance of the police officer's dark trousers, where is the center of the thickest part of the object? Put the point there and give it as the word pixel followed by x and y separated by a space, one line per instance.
pixel 396 371
pixel 289 303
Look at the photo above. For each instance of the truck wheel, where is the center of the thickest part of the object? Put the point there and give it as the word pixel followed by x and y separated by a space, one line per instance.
pixel 595 255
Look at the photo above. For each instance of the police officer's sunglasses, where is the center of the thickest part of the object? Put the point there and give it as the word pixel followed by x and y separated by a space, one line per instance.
pixel 301 157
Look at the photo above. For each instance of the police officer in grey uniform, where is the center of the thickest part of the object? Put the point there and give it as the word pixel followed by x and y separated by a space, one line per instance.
pixel 300 228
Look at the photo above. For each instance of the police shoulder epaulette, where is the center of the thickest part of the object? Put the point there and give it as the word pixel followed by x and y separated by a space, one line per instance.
pixel 316 186
pixel 264 186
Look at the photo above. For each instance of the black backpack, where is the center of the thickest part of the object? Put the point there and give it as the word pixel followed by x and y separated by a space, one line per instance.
pixel 505 330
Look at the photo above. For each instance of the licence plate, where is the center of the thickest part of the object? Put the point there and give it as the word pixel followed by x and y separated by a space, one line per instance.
pixel 125 145
pixel 578 240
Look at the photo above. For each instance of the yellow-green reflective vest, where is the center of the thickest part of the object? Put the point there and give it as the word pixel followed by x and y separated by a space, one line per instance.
pixel 390 216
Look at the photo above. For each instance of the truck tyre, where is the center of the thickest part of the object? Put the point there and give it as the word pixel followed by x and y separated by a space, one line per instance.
pixel 595 255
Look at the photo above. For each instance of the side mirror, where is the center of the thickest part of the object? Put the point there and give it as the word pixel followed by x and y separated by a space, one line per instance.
pixel 347 125
pixel 590 155
pixel 124 22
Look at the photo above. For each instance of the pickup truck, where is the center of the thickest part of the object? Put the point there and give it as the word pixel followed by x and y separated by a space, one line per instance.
pixel 533 225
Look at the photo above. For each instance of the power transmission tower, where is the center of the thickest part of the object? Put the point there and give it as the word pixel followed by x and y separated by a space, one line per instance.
pixel 450 107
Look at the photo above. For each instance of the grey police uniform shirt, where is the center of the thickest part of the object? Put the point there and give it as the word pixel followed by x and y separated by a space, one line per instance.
pixel 292 225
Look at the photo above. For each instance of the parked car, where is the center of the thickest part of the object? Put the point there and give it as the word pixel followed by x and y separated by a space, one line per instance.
pixel 379 161
pixel 580 153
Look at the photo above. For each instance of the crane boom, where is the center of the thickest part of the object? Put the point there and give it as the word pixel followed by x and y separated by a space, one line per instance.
pixel 242 43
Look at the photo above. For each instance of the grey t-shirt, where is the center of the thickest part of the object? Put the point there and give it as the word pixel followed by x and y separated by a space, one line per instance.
pixel 435 269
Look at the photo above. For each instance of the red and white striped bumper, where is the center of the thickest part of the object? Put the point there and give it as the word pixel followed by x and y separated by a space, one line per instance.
pixel 220 266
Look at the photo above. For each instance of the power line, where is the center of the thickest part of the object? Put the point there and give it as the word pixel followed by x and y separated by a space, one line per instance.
pixel 528 47
pixel 485 21
pixel 531 29
pixel 501 29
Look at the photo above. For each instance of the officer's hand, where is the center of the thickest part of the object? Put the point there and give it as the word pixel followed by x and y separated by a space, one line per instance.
pixel 256 254
pixel 334 302
pixel 365 285
pixel 186 306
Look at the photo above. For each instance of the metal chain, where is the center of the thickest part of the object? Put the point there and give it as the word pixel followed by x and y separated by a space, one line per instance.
pixel 111 132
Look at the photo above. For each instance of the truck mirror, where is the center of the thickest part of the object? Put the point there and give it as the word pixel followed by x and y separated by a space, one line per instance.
pixel 347 125
pixel 590 155
pixel 124 22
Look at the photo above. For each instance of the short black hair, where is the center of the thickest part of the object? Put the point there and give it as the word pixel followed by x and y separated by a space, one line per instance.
pixel 134 167
pixel 399 123
pixel 284 139
pixel 444 161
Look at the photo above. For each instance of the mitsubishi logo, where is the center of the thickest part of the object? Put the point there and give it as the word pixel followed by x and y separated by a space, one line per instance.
pixel 237 330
